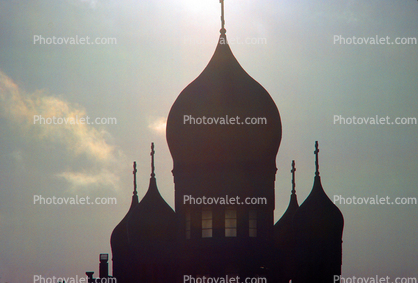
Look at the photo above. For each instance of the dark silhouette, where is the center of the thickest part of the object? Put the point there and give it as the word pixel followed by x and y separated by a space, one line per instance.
pixel 284 239
pixel 234 159
pixel 318 225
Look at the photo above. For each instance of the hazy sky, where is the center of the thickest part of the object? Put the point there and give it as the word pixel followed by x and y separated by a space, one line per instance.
pixel 161 47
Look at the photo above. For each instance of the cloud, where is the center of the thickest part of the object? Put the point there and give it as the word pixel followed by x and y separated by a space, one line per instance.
pixel 79 139
pixel 158 125
pixel 84 179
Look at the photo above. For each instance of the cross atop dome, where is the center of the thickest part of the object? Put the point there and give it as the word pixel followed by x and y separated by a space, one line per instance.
pixel 134 172
pixel 293 177
pixel 152 160
pixel 316 159
pixel 223 30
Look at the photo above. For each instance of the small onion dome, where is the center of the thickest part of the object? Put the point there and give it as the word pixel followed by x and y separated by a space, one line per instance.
pixel 119 240
pixel 284 224
pixel 119 237
pixel 284 227
pixel 284 238
pixel 152 220
pixel 318 217
pixel 223 91
pixel 318 232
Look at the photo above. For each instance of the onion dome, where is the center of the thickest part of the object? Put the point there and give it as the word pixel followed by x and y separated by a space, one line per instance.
pixel 318 227
pixel 152 220
pixel 284 224
pixel 207 122
pixel 284 238
pixel 119 238
pixel 318 214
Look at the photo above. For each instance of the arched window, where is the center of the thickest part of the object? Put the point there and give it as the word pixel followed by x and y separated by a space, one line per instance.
pixel 230 222
pixel 206 223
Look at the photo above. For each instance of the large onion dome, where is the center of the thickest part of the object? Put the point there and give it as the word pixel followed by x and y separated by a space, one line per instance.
pixel 223 91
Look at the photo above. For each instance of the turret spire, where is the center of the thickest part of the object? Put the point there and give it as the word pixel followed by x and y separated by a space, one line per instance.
pixel 134 172
pixel 316 159
pixel 152 161
pixel 293 177
pixel 223 30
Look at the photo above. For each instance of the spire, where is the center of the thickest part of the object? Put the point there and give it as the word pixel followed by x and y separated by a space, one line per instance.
pixel 152 161
pixel 293 177
pixel 316 159
pixel 134 172
pixel 223 30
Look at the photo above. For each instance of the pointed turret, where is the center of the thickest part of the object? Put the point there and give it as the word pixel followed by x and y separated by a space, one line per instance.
pixel 319 227
pixel 151 233
pixel 119 240
pixel 284 238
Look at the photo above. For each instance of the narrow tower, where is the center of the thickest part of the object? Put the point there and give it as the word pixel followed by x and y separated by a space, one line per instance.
pixel 318 231
pixel 121 256
pixel 151 229
pixel 225 156
pixel 284 238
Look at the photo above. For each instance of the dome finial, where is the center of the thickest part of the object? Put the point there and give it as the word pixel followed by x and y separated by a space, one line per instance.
pixel 223 30
pixel 293 177
pixel 316 159
pixel 152 160
pixel 134 172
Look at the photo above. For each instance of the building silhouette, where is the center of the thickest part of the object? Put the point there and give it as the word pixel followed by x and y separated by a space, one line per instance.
pixel 219 159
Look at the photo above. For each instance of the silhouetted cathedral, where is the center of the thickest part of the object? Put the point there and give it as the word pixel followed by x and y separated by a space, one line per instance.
pixel 155 244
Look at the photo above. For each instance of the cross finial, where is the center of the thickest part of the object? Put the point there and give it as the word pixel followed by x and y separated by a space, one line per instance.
pixel 223 30
pixel 152 160
pixel 134 172
pixel 293 177
pixel 316 159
